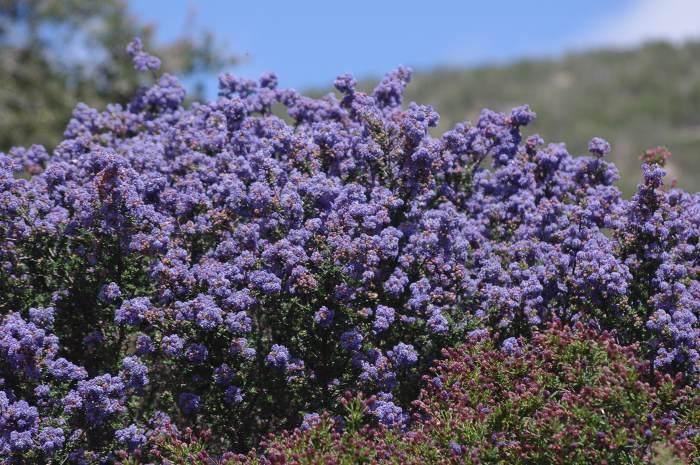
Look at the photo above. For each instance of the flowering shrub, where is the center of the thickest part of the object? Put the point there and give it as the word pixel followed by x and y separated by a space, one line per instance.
pixel 235 270
pixel 567 397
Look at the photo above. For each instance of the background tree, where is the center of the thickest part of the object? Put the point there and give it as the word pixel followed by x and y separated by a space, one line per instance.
pixel 55 53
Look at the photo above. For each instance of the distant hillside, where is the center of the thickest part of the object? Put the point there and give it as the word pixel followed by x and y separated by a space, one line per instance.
pixel 635 99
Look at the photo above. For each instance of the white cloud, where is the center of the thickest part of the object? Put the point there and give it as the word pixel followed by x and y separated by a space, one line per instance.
pixel 673 20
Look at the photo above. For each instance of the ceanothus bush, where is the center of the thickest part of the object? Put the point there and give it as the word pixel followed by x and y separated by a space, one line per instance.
pixel 237 264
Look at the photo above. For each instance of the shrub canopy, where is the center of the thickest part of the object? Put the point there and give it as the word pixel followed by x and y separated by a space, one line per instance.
pixel 225 267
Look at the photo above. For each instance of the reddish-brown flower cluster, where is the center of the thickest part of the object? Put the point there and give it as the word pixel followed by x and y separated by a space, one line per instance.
pixel 568 396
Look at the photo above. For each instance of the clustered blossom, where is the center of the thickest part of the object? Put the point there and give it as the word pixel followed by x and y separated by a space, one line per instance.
pixel 110 293
pixel 42 317
pixel 134 373
pixel 142 60
pixel 50 440
pixel 97 399
pixel 25 348
pixel 131 437
pixel 403 355
pixel 144 345
pixel 278 356
pixel 18 425
pixel 340 248
pixel 511 346
pixel 383 318
pixel 189 402
pixel 388 413
pixel 351 340
pixel 172 345
pixel 132 311
pixel 324 316
pixel 599 146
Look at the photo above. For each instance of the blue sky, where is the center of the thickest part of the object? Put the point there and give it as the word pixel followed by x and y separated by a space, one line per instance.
pixel 307 43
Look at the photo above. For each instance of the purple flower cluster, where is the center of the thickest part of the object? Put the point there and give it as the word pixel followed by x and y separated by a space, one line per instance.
pixel 278 356
pixel 97 399
pixel 131 437
pixel 387 412
pixel 403 355
pixel 142 60
pixel 189 402
pixel 134 373
pixel 25 348
pixel 19 423
pixel 340 248
pixel 132 312
pixel 383 318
